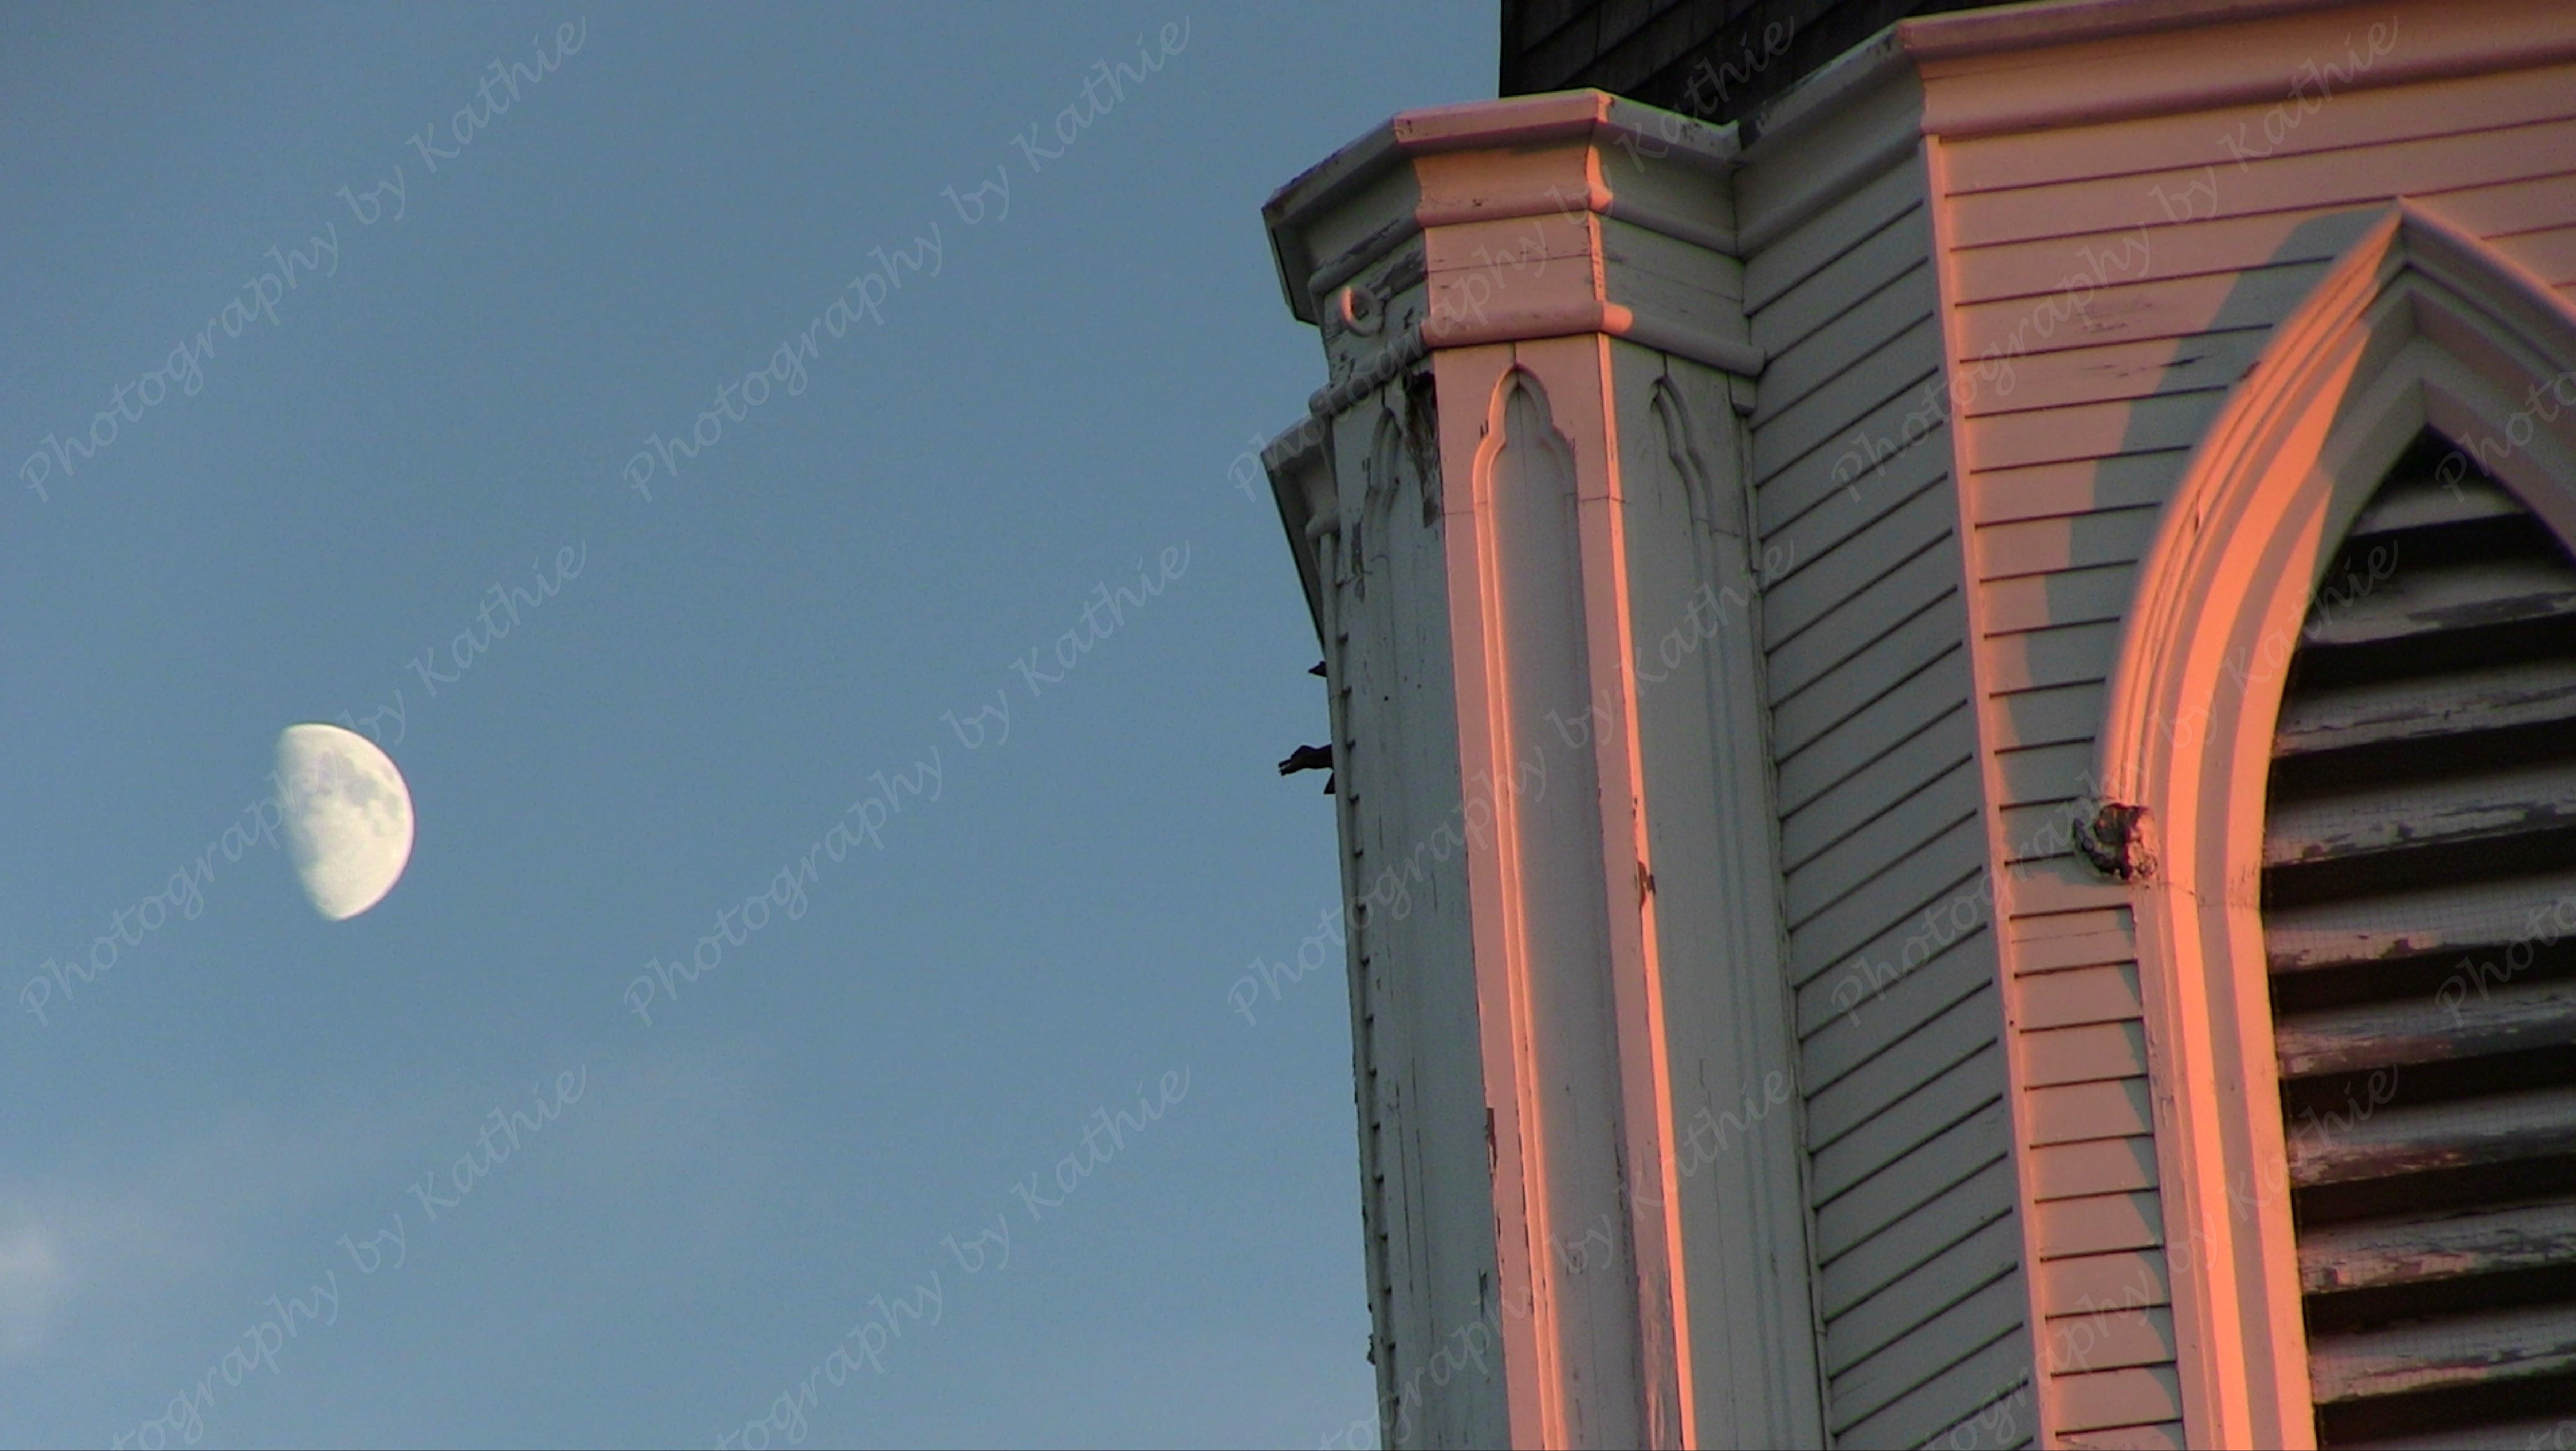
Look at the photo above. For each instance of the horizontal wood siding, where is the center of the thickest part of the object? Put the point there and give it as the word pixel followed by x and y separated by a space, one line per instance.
pixel 2105 286
pixel 1918 1241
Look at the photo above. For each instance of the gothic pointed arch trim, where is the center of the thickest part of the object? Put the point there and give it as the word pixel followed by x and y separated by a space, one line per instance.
pixel 2420 324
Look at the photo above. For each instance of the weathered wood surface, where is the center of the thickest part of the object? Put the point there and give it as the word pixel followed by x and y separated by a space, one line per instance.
pixel 2072 432
pixel 1942 870
pixel 1887 1196
pixel 2044 265
pixel 1770 273
pixel 2054 655
pixel 2425 502
pixel 2052 716
pixel 2434 599
pixel 1813 427
pixel 1870 1148
pixel 1852 461
pixel 2538 909
pixel 1894 243
pixel 2060 951
pixel 2473 1020
pixel 2086 995
pixel 1867 488
pixel 2422 707
pixel 1893 985
pixel 1866 322
pixel 2443 811
pixel 1910 585
pixel 1892 843
pixel 1799 600
pixel 2378 1253
pixel 2124 370
pixel 2549 252
pixel 2385 1141
pixel 2076 596
pixel 1997 340
pixel 2430 1355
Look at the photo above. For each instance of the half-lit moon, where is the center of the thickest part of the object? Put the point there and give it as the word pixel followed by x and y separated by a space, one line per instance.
pixel 348 817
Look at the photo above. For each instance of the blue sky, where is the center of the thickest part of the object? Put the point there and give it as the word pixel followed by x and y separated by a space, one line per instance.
pixel 633 702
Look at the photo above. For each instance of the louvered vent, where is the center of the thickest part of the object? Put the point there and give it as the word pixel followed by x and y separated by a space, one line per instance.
pixel 2419 900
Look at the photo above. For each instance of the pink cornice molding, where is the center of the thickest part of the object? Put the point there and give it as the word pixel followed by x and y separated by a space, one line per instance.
pixel 1505 203
pixel 2077 62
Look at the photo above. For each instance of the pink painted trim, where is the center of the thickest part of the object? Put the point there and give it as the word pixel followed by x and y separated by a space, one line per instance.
pixel 1514 123
pixel 2134 60
pixel 1583 317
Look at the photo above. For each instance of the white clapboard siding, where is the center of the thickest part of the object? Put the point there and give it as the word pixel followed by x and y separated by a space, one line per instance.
pixel 1918 1242
pixel 1907 646
pixel 1882 994
pixel 1843 570
pixel 2009 1420
pixel 2088 202
pixel 1912 701
pixel 1889 906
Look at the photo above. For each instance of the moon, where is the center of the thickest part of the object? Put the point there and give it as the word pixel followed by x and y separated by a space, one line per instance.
pixel 348 817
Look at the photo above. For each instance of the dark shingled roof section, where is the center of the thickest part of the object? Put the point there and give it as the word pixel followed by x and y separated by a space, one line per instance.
pixel 1719 60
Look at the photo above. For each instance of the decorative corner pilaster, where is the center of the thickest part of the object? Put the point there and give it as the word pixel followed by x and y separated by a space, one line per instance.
pixel 1520 509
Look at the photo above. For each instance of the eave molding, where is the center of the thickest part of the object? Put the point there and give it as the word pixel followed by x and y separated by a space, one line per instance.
pixel 2081 62
pixel 1593 122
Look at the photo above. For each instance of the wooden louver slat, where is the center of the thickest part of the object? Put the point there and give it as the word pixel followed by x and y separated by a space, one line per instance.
pixel 2429 922
pixel 2381 1254
pixel 2419 894
pixel 2426 708
pixel 2453 1133
pixel 2441 599
pixel 2507 1018
pixel 2465 1351
pixel 2411 815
